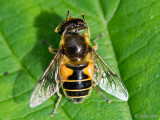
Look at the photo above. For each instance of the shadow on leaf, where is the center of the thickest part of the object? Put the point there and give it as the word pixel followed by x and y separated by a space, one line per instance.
pixel 37 60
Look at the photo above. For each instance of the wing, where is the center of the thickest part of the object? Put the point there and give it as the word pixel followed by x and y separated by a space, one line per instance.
pixel 46 86
pixel 107 79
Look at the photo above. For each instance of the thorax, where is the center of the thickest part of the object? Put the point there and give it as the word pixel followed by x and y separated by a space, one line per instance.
pixel 75 46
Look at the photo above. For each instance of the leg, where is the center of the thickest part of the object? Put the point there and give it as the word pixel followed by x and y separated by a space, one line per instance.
pixel 101 93
pixel 51 50
pixel 94 41
pixel 56 30
pixel 58 101
pixel 88 31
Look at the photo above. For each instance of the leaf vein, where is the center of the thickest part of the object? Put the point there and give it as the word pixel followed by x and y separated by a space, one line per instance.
pixel 136 51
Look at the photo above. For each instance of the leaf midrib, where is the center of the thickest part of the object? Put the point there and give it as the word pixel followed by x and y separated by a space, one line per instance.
pixel 105 22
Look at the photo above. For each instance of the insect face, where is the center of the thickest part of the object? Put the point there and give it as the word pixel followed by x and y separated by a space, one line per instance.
pixel 73 26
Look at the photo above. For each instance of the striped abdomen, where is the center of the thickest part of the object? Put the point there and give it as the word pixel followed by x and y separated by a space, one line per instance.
pixel 77 81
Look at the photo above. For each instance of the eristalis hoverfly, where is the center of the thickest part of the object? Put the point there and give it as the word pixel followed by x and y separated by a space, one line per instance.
pixel 76 68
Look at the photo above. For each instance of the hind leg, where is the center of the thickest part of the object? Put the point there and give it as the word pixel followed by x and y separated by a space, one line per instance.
pixel 58 101
pixel 101 93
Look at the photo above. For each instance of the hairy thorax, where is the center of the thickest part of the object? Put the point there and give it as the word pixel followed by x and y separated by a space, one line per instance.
pixel 75 47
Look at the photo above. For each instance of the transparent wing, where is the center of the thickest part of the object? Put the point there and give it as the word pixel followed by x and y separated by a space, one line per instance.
pixel 46 86
pixel 107 79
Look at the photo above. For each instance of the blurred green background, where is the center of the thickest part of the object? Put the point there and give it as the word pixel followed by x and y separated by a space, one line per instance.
pixel 130 45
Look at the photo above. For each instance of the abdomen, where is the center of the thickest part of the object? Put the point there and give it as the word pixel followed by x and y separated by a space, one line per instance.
pixel 76 80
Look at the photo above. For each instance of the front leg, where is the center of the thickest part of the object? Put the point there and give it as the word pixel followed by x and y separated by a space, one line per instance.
pixel 50 48
pixel 94 41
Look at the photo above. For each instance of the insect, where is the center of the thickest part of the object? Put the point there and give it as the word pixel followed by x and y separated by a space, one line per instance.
pixel 76 68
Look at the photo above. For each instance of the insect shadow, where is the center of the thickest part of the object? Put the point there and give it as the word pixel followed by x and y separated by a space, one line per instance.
pixel 45 23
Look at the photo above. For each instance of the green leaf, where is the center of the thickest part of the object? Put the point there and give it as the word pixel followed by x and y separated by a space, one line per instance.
pixel 135 34
pixel 130 46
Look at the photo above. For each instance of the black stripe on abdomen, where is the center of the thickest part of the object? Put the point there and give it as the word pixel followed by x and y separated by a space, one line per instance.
pixel 76 85
pixel 77 93
pixel 78 73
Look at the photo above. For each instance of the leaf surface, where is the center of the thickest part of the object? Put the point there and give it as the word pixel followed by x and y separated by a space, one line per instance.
pixel 129 46
pixel 134 32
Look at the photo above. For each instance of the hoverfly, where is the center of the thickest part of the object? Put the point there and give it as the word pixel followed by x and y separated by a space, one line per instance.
pixel 76 67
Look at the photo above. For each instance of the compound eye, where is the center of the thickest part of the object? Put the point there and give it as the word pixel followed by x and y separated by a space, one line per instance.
pixel 73 26
pixel 80 22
